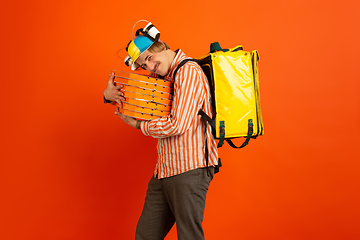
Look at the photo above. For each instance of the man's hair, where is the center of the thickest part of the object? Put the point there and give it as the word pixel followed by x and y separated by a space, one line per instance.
pixel 158 47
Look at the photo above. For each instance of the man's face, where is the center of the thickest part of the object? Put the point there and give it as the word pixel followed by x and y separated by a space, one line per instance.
pixel 154 62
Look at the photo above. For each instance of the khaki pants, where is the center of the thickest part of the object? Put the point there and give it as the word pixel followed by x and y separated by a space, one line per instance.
pixel 179 199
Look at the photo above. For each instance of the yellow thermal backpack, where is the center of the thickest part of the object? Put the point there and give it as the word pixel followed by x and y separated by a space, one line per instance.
pixel 234 84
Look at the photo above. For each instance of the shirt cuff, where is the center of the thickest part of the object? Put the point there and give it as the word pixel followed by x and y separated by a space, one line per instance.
pixel 144 126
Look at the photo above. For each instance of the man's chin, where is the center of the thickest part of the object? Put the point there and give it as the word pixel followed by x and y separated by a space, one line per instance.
pixel 161 73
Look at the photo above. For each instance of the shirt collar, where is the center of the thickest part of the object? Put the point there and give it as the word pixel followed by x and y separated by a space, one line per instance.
pixel 180 55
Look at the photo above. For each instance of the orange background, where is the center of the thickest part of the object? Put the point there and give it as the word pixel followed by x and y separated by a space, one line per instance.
pixel 71 169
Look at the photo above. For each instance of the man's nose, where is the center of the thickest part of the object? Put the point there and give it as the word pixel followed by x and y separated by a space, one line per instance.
pixel 150 65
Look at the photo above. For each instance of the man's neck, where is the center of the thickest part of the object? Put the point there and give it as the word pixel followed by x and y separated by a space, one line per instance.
pixel 171 55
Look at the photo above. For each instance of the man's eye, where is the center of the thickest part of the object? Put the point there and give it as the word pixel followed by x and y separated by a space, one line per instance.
pixel 143 66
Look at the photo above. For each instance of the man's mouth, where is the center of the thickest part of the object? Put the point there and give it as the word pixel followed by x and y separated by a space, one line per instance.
pixel 156 67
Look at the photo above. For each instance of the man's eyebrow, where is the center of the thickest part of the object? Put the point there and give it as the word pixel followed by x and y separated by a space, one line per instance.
pixel 147 57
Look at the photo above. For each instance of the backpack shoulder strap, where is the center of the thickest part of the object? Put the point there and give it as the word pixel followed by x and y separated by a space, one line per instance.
pixel 182 63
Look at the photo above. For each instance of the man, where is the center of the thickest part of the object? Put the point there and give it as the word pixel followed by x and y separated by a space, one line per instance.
pixel 177 190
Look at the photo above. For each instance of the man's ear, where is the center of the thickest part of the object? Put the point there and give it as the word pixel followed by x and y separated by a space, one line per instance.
pixel 164 44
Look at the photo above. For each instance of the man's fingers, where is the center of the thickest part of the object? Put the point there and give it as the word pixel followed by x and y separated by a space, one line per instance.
pixel 119 97
pixel 111 79
pixel 117 111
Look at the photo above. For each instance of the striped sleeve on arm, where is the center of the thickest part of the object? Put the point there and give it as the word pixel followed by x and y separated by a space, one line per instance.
pixel 189 95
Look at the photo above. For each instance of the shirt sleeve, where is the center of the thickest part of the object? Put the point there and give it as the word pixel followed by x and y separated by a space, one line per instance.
pixel 189 95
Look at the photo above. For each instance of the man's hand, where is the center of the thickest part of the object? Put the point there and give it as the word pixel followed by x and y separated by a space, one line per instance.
pixel 112 93
pixel 129 120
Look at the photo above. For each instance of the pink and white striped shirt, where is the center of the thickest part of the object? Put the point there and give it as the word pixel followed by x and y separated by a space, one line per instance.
pixel 181 144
